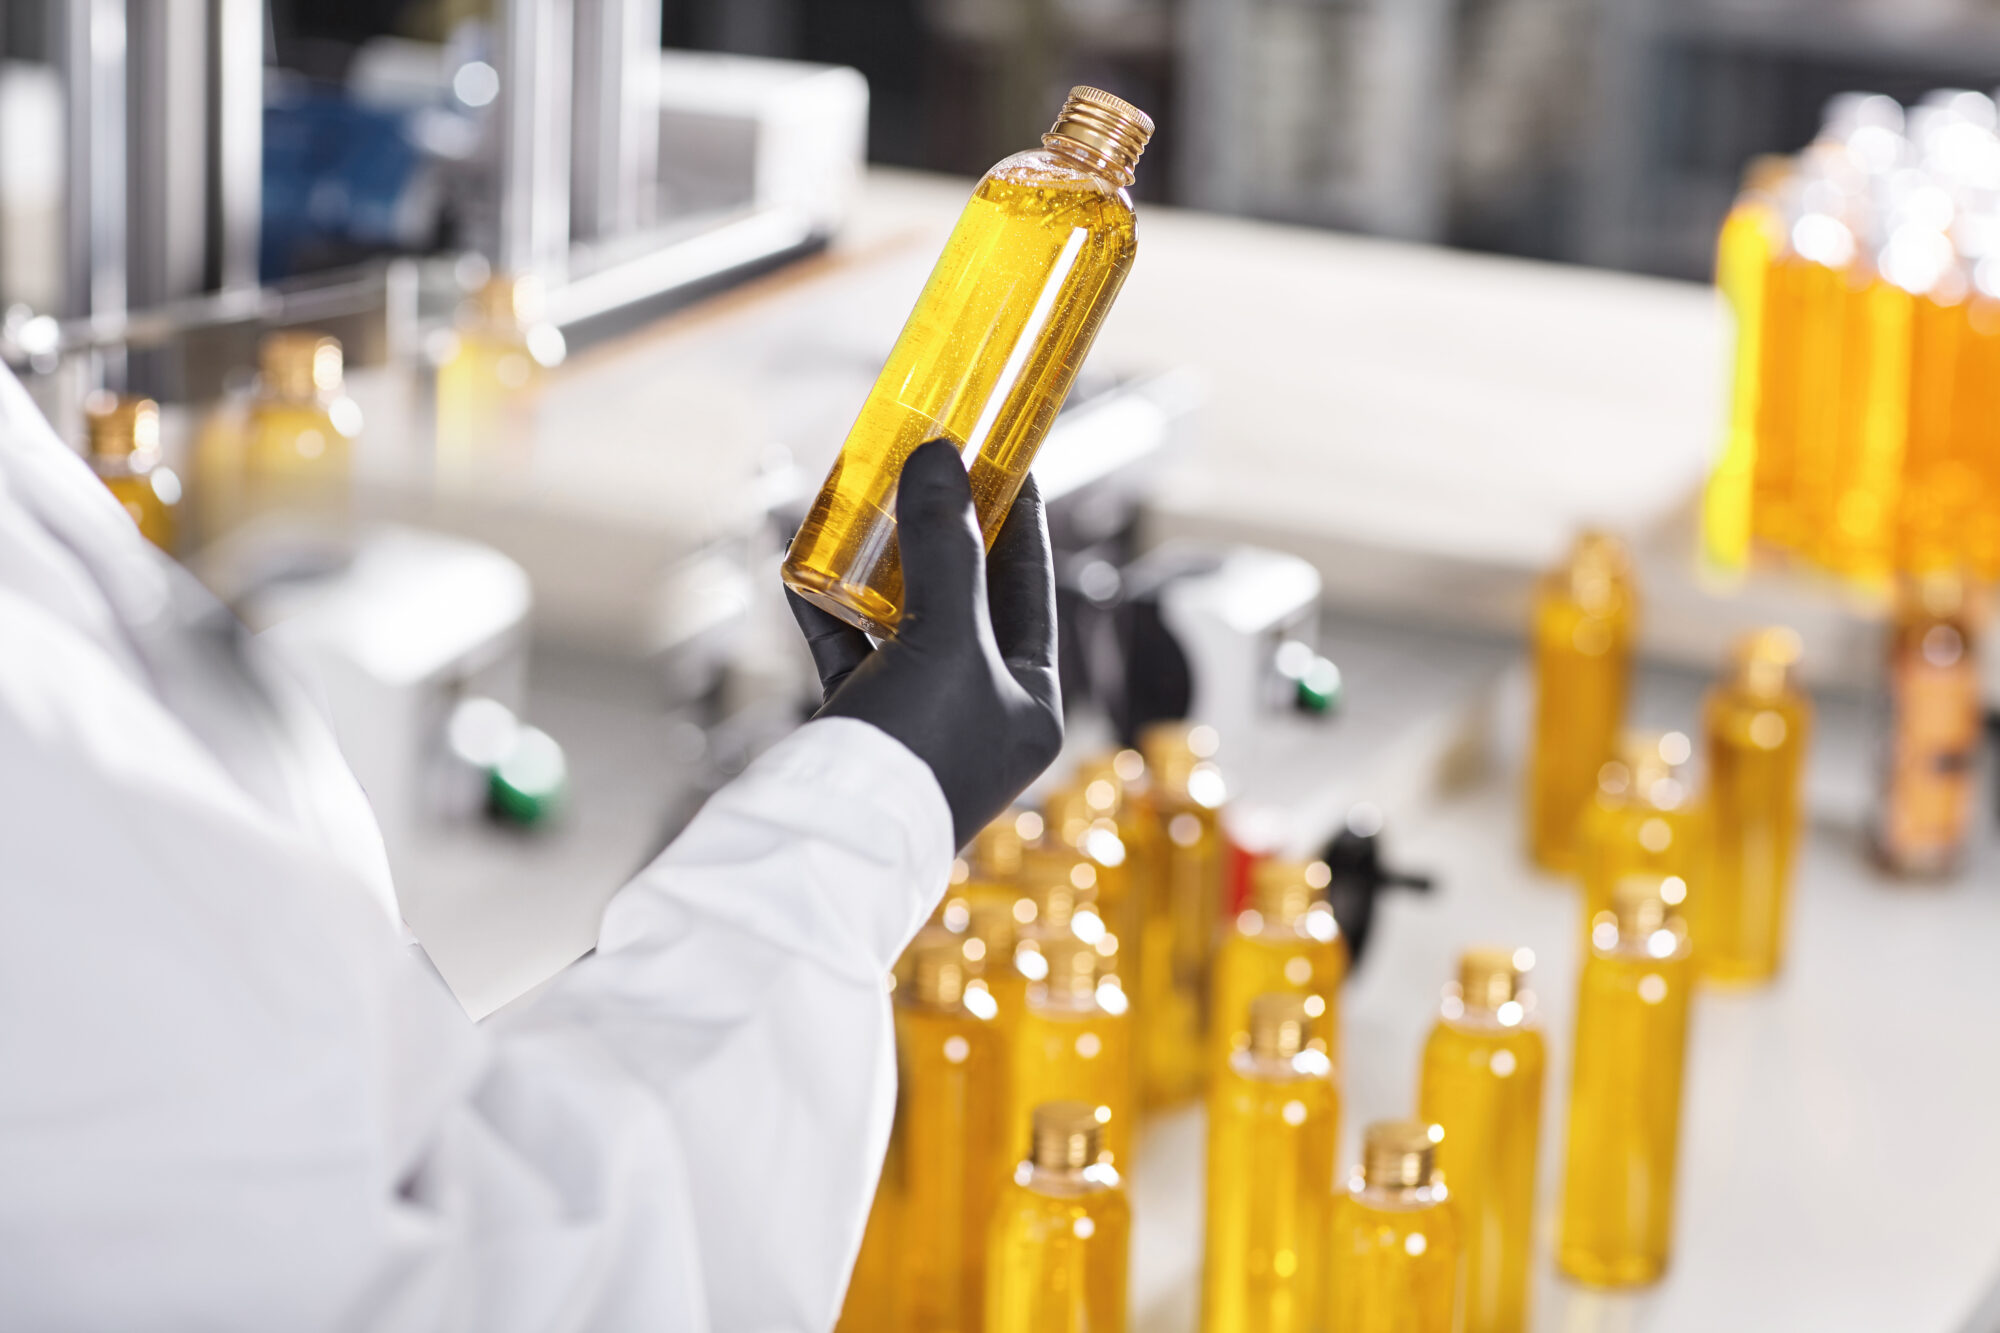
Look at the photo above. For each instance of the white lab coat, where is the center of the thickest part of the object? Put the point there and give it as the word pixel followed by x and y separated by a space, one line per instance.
pixel 230 1098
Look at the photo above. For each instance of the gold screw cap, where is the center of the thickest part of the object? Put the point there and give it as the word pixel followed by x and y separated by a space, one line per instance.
pixel 937 969
pixel 1399 1154
pixel 1490 976
pixel 1277 1025
pixel 1283 891
pixel 1766 661
pixel 1066 1136
pixel 1074 967
pixel 297 363
pixel 120 426
pixel 1107 130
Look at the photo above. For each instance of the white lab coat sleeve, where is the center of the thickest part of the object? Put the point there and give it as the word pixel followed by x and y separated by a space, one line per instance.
pixel 742 977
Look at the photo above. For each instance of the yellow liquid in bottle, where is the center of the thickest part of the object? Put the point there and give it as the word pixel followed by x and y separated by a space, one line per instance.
pixel 1975 407
pixel 487 392
pixel 1625 1107
pixel 1272 1126
pixel 1060 1251
pixel 1177 938
pixel 1879 327
pixel 1774 501
pixel 1744 256
pixel 1828 383
pixel 1260 956
pixel 151 497
pixel 1756 750
pixel 297 456
pixel 1940 488
pixel 1630 837
pixel 1080 1050
pixel 1395 1261
pixel 949 1064
pixel 1482 1081
pixel 1583 650
pixel 986 359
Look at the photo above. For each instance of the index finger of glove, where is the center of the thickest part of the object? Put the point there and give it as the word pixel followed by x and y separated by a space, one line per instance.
pixel 1021 584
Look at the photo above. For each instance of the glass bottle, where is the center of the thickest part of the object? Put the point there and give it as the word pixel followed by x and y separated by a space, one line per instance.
pixel 1062 1237
pixel 1075 1044
pixel 488 385
pixel 1625 1091
pixel 1644 820
pixel 301 428
pixel 1081 817
pixel 1182 908
pixel 1482 1083
pixel 1285 940
pixel 1273 1120
pixel 989 353
pixel 1584 611
pixel 124 437
pixel 1755 724
pixel 948 1058
pixel 1924 810
pixel 1395 1237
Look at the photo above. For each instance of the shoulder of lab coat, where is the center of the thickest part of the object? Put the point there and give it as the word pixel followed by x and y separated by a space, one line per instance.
pixel 233 1102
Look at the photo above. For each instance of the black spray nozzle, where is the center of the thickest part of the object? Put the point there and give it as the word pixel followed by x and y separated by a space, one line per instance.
pixel 1354 857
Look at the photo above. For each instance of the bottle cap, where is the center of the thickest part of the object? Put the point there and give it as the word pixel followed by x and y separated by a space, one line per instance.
pixel 990 926
pixel 1107 130
pixel 1283 891
pixel 1598 564
pixel 120 426
pixel 937 969
pixel 1174 751
pixel 1766 660
pixel 1074 968
pixel 1399 1154
pixel 298 363
pixel 1057 880
pixel 1490 976
pixel 1651 767
pixel 1642 904
pixel 1066 1136
pixel 508 301
pixel 996 850
pixel 1277 1025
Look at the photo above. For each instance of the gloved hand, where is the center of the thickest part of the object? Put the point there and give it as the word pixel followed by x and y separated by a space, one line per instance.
pixel 969 681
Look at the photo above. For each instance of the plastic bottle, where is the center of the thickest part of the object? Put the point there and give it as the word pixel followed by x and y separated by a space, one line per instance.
pixel 1931 758
pixel 1181 915
pixel 1644 820
pixel 298 445
pixel 1625 1093
pixel 1062 1238
pixel 1755 726
pixel 124 435
pixel 1395 1238
pixel 1482 1082
pixel 1075 1044
pixel 1285 940
pixel 1746 256
pixel 989 353
pixel 1583 628
pixel 1273 1119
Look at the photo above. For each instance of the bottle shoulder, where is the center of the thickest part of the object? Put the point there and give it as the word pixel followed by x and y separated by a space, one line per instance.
pixel 1042 183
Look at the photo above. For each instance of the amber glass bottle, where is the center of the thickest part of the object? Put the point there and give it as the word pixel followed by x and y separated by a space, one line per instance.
pixel 1182 909
pixel 1625 1091
pixel 1644 819
pixel 1285 940
pixel 1062 1238
pixel 1924 811
pixel 125 454
pixel 988 354
pixel 1395 1238
pixel 1482 1082
pixel 1756 722
pixel 1273 1120
pixel 1584 613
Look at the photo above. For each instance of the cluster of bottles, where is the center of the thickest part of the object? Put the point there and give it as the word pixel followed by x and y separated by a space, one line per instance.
pixel 287 447
pixel 1864 278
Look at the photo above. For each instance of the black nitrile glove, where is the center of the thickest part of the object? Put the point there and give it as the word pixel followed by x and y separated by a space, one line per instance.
pixel 969 681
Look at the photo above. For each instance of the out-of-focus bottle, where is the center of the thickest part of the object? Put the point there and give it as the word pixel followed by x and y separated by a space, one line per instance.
pixel 488 385
pixel 1756 722
pixel 1285 940
pixel 1182 909
pixel 1625 1093
pixel 124 436
pixel 873 1300
pixel 1081 817
pixel 1273 1119
pixel 988 354
pixel 301 429
pixel 1482 1082
pixel 1746 256
pixel 1075 1044
pixel 1584 613
pixel 949 1060
pixel 1924 810
pixel 1395 1237
pixel 1645 820
pixel 1062 1237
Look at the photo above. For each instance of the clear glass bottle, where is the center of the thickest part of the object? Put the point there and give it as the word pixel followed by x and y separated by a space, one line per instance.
pixel 989 353
pixel 301 428
pixel 1755 725
pixel 1285 940
pixel 1644 819
pixel 1625 1091
pixel 1482 1082
pixel 1181 910
pixel 1273 1120
pixel 948 1056
pixel 1395 1252
pixel 124 441
pixel 1062 1238
pixel 1583 629
pixel 1075 1044
pixel 488 386
pixel 1924 811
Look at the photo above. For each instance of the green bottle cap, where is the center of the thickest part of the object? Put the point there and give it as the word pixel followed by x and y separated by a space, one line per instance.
pixel 531 785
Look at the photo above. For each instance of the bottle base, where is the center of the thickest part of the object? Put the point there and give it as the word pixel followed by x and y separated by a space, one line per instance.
pixel 1631 1270
pixel 860 607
